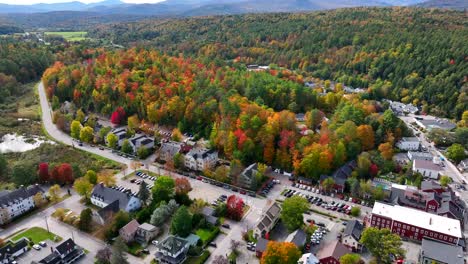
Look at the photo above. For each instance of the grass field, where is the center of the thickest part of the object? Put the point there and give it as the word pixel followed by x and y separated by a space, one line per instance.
pixel 36 234
pixel 70 35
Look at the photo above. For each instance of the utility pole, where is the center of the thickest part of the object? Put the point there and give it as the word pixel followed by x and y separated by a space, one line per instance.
pixel 47 224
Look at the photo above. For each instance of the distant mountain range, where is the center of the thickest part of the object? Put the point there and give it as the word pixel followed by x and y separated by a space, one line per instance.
pixel 214 7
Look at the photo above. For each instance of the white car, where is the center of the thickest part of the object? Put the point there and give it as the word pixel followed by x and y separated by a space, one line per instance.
pixel 36 247
pixel 155 242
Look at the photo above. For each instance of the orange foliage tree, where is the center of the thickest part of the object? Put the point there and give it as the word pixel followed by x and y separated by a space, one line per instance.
pixel 280 253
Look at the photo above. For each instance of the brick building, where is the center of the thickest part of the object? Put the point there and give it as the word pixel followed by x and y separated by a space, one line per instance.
pixel 415 224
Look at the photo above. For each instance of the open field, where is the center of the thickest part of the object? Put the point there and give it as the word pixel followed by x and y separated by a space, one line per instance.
pixel 70 35
pixel 36 234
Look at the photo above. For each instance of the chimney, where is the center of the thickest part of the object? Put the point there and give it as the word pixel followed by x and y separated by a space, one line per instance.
pixel 102 184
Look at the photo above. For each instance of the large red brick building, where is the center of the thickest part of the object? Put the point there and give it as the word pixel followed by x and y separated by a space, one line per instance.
pixel 415 224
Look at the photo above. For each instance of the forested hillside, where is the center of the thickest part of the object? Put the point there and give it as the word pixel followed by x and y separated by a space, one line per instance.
pixel 407 54
pixel 246 115
pixel 20 63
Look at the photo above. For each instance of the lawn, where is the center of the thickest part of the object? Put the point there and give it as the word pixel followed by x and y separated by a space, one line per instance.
pixel 36 234
pixel 135 248
pixel 204 234
pixel 198 260
pixel 70 35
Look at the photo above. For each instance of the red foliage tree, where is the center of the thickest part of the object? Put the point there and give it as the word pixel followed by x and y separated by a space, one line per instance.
pixel 235 207
pixel 118 116
pixel 373 170
pixel 43 172
pixel 64 173
pixel 182 185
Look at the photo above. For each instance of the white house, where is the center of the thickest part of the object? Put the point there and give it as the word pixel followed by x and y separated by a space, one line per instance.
pixel 352 235
pixel 408 143
pixel 427 168
pixel 103 196
pixel 141 140
pixel 268 220
pixel 17 202
pixel 13 249
pixel 199 159
pixel 463 165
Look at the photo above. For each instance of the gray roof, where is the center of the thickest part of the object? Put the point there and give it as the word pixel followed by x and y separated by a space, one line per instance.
pixel 441 252
pixel 297 237
pixel 199 153
pixel 250 171
pixel 335 249
pixel 409 139
pixel 354 228
pixel 172 244
pixel 147 227
pixel 19 194
pixel 131 227
pixel 107 212
pixel 425 164
pixel 430 185
pixel 438 123
pixel 12 247
pixel 420 155
pixel 341 174
pixel 208 211
pixel 109 195
pixel 170 148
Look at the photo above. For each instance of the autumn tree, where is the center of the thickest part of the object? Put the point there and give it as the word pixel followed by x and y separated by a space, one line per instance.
pixel 280 253
pixel 75 128
pixel 235 207
pixel 386 150
pixel 292 212
pixel 87 134
pixel 118 116
pixel 107 178
pixel 445 180
pixel 86 217
pixel 39 200
pixel 43 172
pixel 365 134
pixel 83 187
pixel 182 185
pixel 54 193
pixel 133 122
pixel 64 173
pixel 176 135
pixel 112 140
pixel 91 176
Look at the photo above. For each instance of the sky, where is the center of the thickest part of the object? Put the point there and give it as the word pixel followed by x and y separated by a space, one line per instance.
pixel 30 2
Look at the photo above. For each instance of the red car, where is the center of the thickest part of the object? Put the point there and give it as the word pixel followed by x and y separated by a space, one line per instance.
pixel 242 192
pixel 199 178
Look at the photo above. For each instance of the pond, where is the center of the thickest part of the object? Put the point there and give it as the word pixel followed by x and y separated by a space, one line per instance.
pixel 20 143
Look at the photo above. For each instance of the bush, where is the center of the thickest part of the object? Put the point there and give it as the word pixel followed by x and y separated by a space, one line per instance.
pixel 195 251
pixel 355 211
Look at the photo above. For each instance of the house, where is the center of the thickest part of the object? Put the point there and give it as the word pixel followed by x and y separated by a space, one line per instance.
pixel 431 186
pixel 427 168
pixel 268 220
pixel 172 250
pixel 415 224
pixel 247 178
pixel 437 252
pixel 261 246
pixel 352 235
pixel 103 196
pixel 208 213
pixel 417 155
pixel 444 203
pixel 168 150
pixel 332 252
pixel 141 140
pixel 65 253
pixel 297 237
pixel 463 165
pixel 199 159
pixel 107 213
pixel 308 258
pixel 11 250
pixel 384 185
pixel 17 202
pixel 127 233
pixel 300 117
pixel 429 123
pixel 145 233
pixel 341 175
pixel 400 108
pixel 121 133
pixel 408 143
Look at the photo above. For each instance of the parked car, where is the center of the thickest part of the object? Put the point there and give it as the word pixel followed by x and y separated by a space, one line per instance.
pixel 212 244
pixel 36 247
pixel 43 244
pixel 226 226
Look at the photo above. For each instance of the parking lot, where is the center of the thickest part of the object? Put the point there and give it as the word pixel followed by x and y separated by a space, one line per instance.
pixel 36 255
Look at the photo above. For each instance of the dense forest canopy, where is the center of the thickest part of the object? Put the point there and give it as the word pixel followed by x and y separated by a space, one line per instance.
pixel 408 54
pixel 248 116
